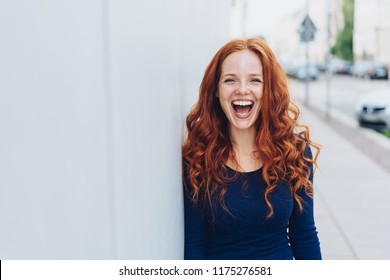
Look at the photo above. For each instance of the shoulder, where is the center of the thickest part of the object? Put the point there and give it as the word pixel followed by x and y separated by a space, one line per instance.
pixel 302 143
pixel 307 153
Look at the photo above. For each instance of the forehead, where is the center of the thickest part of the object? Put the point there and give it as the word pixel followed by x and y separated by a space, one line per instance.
pixel 242 62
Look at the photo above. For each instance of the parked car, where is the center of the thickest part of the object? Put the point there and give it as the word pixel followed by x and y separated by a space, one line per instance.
pixel 373 109
pixel 370 70
pixel 361 68
pixel 300 72
pixel 378 72
pixel 288 68
pixel 340 66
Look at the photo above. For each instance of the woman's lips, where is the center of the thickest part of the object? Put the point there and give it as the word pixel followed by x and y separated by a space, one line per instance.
pixel 242 108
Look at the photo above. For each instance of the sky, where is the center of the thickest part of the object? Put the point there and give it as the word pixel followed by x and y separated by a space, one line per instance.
pixel 262 16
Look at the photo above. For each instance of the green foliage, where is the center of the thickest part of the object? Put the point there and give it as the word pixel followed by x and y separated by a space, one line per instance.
pixel 386 133
pixel 343 48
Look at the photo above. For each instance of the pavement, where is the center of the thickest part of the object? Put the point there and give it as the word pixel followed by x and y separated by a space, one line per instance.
pixel 352 186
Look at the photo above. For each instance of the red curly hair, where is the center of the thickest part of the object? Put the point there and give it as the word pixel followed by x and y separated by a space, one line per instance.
pixel 280 145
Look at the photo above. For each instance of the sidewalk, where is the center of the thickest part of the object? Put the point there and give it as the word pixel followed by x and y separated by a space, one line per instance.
pixel 352 196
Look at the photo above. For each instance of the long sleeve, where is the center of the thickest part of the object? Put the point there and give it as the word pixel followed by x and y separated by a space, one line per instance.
pixel 194 244
pixel 302 230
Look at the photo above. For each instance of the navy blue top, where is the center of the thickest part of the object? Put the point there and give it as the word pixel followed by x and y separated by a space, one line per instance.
pixel 246 233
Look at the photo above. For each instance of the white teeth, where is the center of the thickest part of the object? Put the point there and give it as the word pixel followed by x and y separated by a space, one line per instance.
pixel 242 103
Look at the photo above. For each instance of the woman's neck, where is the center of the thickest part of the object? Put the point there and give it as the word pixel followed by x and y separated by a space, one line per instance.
pixel 243 140
pixel 244 146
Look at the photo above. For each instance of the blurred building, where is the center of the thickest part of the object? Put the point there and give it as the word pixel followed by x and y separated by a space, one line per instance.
pixel 372 30
pixel 92 99
pixel 285 39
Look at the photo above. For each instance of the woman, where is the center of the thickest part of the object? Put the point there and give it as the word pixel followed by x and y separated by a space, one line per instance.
pixel 248 167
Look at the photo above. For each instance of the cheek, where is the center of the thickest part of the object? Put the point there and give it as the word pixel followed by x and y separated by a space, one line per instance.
pixel 259 97
pixel 221 92
pixel 259 94
pixel 224 104
pixel 223 97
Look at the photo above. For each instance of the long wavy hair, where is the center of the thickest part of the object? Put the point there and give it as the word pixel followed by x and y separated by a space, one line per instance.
pixel 281 141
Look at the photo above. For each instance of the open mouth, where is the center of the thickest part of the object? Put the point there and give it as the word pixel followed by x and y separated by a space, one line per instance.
pixel 242 107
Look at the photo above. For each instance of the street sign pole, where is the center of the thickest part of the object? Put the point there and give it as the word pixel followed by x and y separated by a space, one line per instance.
pixel 328 70
pixel 307 58
pixel 307 31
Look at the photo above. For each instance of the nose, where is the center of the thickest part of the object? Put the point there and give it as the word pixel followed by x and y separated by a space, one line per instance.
pixel 243 88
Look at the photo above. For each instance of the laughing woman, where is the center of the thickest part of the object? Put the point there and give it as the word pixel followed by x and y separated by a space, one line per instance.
pixel 247 163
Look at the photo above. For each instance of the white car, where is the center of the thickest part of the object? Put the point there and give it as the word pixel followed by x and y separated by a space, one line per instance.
pixel 373 109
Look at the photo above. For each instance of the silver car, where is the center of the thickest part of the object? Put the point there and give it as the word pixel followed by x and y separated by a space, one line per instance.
pixel 373 109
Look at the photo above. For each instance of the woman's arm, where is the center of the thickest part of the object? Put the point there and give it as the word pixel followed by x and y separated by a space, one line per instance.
pixel 302 230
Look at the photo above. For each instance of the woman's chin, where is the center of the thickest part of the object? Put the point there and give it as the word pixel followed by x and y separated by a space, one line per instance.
pixel 242 124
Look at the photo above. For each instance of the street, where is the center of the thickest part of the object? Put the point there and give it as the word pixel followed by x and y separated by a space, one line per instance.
pixel 344 91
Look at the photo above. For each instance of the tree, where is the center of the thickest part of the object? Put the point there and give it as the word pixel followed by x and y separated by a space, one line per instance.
pixel 343 47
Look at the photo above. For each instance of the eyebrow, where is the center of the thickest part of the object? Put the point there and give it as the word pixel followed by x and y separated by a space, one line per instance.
pixel 250 75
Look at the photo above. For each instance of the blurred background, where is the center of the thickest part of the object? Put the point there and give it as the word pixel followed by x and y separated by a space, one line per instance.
pixel 93 96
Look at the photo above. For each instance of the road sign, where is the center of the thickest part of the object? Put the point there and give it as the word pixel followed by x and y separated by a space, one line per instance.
pixel 307 30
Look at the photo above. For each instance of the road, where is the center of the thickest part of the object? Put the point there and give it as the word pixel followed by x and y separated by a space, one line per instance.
pixel 344 91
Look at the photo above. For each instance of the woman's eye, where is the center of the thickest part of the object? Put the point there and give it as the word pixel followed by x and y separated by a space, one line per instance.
pixel 256 81
pixel 229 81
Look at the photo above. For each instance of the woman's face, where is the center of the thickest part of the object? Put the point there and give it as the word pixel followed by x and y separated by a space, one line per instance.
pixel 240 89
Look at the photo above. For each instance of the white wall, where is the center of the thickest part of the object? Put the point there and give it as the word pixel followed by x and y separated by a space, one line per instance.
pixel 237 16
pixel 92 99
